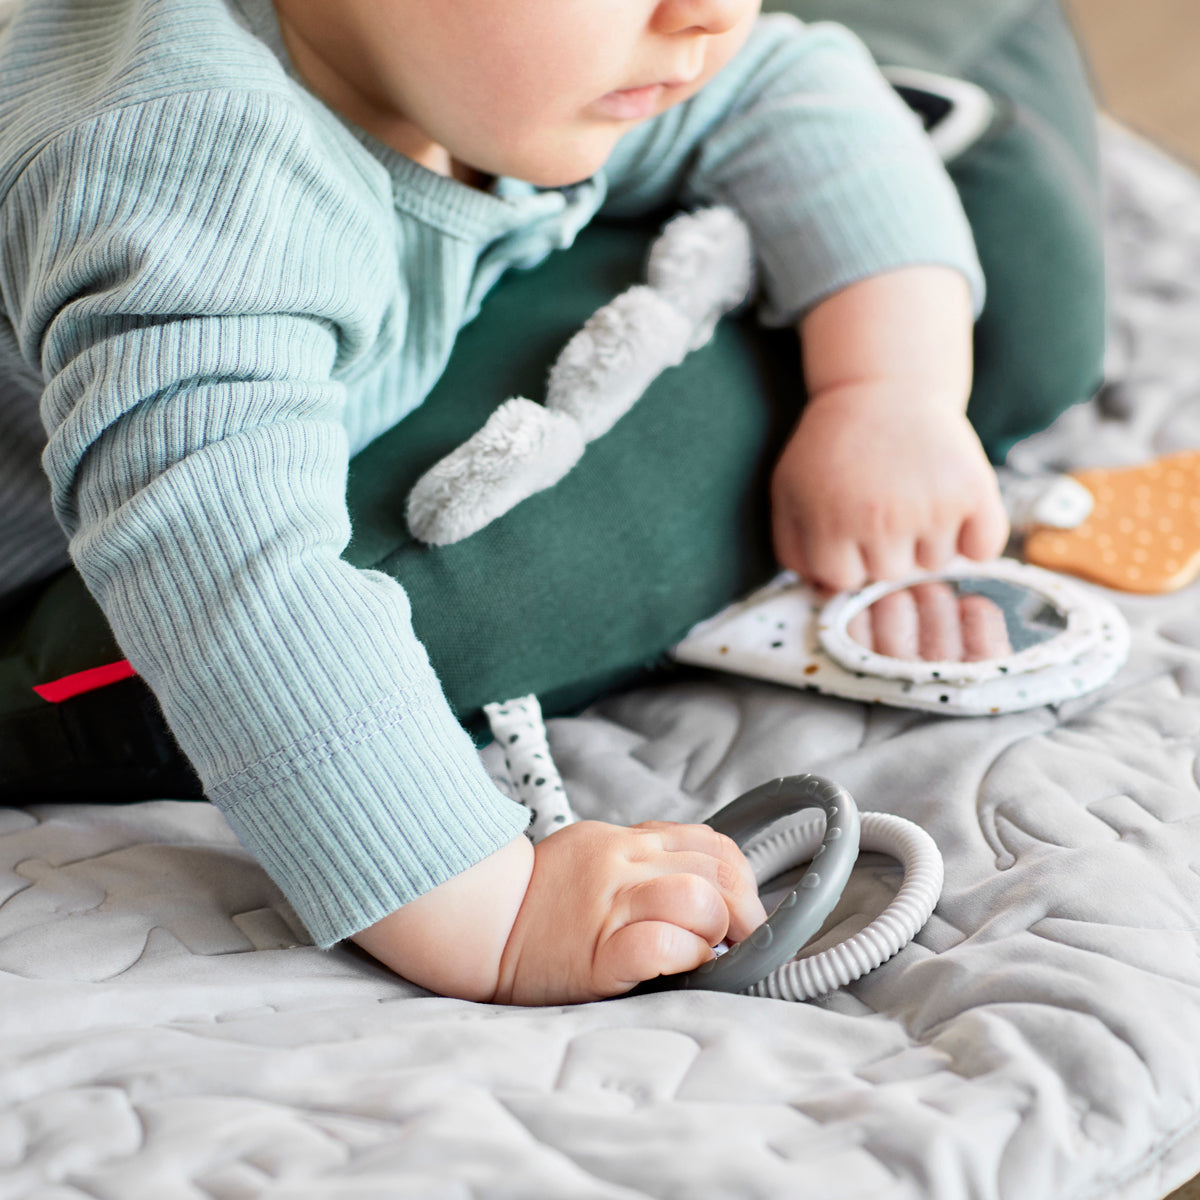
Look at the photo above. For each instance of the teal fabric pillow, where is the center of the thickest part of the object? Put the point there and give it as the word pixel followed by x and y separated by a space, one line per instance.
pixel 584 587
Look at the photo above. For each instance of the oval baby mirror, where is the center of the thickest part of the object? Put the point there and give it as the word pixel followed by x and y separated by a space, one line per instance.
pixel 976 638
pixel 968 620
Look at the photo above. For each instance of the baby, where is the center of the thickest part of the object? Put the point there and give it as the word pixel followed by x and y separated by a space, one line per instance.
pixel 238 240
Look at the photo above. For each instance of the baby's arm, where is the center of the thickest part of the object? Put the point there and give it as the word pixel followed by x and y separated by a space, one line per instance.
pixel 198 460
pixel 884 473
pixel 857 224
pixel 591 911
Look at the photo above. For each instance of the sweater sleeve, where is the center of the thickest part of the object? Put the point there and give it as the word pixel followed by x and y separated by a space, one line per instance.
pixel 802 135
pixel 195 284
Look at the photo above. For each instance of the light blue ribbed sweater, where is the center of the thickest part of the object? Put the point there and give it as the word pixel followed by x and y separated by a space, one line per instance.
pixel 218 290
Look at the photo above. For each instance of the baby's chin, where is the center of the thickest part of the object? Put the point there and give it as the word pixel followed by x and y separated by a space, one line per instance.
pixel 560 162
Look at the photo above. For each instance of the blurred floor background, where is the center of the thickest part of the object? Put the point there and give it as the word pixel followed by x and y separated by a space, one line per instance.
pixel 1145 59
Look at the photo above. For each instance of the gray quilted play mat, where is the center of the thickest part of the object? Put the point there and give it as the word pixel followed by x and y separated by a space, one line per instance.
pixel 165 1036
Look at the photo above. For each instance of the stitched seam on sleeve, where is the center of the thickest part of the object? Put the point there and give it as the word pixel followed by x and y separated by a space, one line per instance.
pixel 316 748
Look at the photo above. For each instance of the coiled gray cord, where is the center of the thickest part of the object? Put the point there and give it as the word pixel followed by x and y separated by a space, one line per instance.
pixel 894 928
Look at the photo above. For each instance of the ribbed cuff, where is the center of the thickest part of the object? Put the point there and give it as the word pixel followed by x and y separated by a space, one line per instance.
pixel 906 224
pixel 370 814
pixel 834 175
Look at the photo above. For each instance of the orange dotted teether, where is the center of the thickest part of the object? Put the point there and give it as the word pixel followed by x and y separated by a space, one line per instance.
pixel 1143 534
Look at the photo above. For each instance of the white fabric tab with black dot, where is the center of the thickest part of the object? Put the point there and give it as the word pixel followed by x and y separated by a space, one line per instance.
pixel 517 726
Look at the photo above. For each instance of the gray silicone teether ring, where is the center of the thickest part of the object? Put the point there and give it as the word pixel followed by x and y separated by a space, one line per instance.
pixel 803 910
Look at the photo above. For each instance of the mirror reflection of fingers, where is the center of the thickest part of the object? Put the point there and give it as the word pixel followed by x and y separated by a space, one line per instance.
pixel 895 631
pixel 859 629
pixel 939 622
pixel 984 632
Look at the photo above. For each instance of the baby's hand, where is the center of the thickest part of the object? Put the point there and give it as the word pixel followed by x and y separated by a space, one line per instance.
pixel 876 484
pixel 591 911
pixel 608 907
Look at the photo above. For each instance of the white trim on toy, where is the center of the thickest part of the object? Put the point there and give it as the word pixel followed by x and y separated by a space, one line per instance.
pixel 783 633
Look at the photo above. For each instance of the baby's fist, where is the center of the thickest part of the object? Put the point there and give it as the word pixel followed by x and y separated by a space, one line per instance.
pixel 608 907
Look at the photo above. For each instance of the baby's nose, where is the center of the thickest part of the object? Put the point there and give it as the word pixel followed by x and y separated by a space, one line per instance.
pixel 705 16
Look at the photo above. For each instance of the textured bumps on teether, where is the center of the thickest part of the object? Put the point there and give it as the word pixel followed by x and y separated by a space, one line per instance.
pixel 1143 534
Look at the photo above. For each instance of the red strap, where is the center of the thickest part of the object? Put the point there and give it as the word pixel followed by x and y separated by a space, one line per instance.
pixel 58 690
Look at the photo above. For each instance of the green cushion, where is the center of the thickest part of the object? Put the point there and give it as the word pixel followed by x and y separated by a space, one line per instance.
pixel 664 520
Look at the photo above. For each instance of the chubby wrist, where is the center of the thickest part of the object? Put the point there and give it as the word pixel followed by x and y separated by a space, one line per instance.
pixel 913 396
pixel 907 332
pixel 451 940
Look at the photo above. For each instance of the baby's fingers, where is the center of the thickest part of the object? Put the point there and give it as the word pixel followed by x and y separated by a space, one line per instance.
pixel 646 950
pixel 835 563
pixel 984 533
pixel 689 901
pixel 701 851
